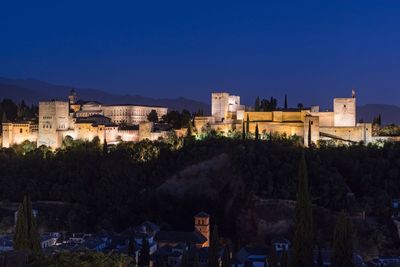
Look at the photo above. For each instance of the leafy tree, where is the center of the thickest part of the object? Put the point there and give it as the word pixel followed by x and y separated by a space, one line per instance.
pixel 82 259
pixel 342 243
pixel 300 106
pixel 152 116
pixel 303 223
pixel 377 120
pixel 8 107
pixel 269 104
pixel 178 119
pixel 213 251
pixel 144 255
pixel 26 236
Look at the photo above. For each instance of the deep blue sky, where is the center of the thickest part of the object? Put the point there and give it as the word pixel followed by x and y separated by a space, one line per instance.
pixel 311 50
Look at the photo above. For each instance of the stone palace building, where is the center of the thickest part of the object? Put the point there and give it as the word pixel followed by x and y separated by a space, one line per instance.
pixel 227 115
pixel 85 120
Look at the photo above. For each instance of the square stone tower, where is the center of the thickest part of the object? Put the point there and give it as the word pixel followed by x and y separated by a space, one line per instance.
pixel 7 134
pixel 344 110
pixel 311 126
pixel 53 121
pixel 219 106
pixel 202 225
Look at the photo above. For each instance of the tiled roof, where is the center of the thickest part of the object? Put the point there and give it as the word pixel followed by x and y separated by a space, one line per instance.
pixel 202 214
pixel 180 237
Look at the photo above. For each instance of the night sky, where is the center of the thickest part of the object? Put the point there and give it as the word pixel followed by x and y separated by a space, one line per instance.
pixel 311 50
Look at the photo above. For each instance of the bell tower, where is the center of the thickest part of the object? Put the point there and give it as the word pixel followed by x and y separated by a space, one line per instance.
pixel 72 97
pixel 202 225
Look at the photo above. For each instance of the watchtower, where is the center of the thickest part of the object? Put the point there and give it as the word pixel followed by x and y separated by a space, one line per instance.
pixel 202 225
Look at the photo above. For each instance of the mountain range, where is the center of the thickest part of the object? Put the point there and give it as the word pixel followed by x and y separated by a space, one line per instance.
pixel 31 91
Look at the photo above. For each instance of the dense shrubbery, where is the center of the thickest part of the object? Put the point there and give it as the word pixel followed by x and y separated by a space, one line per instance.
pixel 86 259
pixel 117 187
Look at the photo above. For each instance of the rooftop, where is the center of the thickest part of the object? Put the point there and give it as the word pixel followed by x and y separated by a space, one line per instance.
pixel 180 237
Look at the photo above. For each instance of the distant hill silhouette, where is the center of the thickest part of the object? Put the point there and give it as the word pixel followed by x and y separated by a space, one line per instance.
pixel 32 91
pixel 389 113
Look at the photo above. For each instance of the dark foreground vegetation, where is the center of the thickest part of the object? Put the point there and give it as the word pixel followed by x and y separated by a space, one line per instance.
pixel 119 186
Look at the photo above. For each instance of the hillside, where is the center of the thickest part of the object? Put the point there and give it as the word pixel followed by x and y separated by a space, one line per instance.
pixel 248 187
pixel 389 113
pixel 32 91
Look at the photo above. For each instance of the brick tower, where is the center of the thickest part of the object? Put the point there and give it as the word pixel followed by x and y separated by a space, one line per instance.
pixel 202 225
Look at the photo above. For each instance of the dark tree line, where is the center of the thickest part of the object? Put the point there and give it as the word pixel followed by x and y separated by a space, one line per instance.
pixel 119 187
pixel 10 111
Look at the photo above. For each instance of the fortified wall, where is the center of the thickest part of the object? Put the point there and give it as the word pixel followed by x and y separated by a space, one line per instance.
pixel 338 125
pixel 84 120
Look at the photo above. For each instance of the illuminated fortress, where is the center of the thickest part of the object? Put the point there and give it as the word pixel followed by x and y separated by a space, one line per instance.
pixel 75 119
pixel 85 120
pixel 339 125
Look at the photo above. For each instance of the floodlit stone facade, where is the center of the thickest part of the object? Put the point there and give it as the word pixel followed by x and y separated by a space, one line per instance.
pixel 338 125
pixel 18 132
pixel 225 106
pixel 75 119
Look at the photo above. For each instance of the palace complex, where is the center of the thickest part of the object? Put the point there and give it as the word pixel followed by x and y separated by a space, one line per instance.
pixel 85 120
pixel 77 119
pixel 311 124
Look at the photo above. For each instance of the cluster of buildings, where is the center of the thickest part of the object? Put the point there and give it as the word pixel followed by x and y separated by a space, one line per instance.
pixel 114 123
pixel 167 248
pixel 227 115
pixel 85 120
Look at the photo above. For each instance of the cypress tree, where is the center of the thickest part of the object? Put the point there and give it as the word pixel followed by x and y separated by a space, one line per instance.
pixel 257 104
pixel 309 134
pixel 243 131
pixel 4 118
pixel 196 260
pixel 284 259
pixel 342 243
pixel 257 135
pixel 26 236
pixel 132 248
pixel 320 260
pixel 21 230
pixel 247 125
pixel 189 131
pixel 213 250
pixel 144 256
pixel 273 259
pixel 226 257
pixel 105 147
pixel 286 104
pixel 185 259
pixel 303 225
